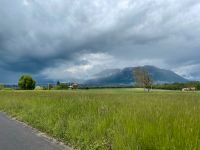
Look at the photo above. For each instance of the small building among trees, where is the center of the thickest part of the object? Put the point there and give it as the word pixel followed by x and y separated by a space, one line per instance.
pixel 73 86
pixel 189 89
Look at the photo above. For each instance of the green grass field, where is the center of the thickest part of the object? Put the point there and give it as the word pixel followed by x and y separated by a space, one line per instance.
pixel 111 119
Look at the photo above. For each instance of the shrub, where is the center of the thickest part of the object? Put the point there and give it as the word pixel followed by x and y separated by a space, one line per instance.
pixel 61 86
pixel 1 86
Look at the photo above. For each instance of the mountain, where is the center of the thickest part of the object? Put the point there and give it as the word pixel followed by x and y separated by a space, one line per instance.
pixel 125 76
pixel 107 73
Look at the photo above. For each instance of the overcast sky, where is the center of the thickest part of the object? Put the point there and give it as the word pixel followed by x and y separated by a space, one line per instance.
pixel 65 39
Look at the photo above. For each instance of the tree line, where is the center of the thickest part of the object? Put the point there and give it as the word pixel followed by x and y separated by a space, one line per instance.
pixel 141 76
pixel 145 80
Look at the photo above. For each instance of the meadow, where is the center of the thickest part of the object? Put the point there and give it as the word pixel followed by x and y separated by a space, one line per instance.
pixel 111 119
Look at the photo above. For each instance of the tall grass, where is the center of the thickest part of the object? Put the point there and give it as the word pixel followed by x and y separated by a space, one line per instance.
pixel 111 119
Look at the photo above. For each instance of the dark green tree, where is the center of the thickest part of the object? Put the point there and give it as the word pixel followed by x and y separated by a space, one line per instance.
pixel 26 82
pixel 58 83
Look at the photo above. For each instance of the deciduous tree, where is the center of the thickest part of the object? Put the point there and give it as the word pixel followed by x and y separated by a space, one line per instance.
pixel 26 82
pixel 142 78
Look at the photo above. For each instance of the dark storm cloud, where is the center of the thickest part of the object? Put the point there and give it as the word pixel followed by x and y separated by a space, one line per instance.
pixel 36 35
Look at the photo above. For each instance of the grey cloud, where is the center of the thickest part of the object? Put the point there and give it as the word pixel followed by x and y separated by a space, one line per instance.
pixel 36 35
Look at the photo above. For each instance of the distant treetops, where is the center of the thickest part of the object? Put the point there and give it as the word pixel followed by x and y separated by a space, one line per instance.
pixel 26 82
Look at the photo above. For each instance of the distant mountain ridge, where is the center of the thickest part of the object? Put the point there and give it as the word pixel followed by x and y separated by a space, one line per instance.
pixel 125 76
